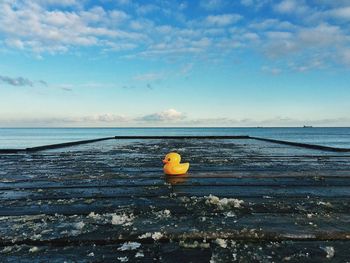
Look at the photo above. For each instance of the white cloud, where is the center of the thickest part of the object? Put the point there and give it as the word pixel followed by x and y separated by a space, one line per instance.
pixel 54 26
pixel 256 4
pixel 322 35
pixel 316 46
pixel 14 42
pixel 59 2
pixel 222 20
pixel 118 16
pixel 170 115
pixel 28 25
pixel 286 6
pixel 107 117
pixel 146 9
pixel 315 63
pixel 345 56
pixel 291 6
pixel 167 116
pixel 272 24
pixel 341 13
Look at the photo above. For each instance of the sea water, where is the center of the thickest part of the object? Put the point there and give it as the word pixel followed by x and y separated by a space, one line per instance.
pixel 30 137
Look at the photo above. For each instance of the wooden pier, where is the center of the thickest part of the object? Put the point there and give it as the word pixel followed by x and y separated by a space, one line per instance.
pixel 244 200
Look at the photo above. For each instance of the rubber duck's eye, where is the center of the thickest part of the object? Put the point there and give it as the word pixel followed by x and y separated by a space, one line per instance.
pixel 168 159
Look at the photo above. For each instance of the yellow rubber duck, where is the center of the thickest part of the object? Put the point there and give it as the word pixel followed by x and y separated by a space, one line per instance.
pixel 173 166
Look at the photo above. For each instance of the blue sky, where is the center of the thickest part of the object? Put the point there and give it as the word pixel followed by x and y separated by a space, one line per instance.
pixel 174 63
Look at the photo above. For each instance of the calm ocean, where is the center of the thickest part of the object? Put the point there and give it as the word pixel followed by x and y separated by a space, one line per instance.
pixel 29 137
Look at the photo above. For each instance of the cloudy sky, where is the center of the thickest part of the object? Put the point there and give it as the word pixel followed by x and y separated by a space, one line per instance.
pixel 174 63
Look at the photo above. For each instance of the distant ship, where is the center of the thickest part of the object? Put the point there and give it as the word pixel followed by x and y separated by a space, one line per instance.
pixel 307 126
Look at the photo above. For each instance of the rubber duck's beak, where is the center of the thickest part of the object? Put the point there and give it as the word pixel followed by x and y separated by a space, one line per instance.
pixel 164 161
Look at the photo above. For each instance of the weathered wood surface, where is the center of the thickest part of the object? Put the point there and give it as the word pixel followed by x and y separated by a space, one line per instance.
pixel 242 201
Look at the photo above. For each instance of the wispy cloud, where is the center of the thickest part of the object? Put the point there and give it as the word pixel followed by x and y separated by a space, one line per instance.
pixel 152 76
pixel 21 81
pixel 271 70
pixel 186 69
pixel 170 115
pixel 18 81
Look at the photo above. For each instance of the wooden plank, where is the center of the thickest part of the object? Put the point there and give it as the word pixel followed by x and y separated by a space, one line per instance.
pixel 83 206
pixel 186 251
pixel 52 194
pixel 271 191
pixel 187 190
pixel 193 174
pixel 132 226
pixel 185 180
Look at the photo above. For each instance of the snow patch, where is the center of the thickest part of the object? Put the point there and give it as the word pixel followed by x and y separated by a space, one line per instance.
pixel 124 219
pixel 123 259
pixel 195 244
pixel 221 242
pixel 163 213
pixel 327 204
pixel 6 249
pixel 329 250
pixel 224 202
pixel 80 225
pixel 129 246
pixel 157 235
pixel 145 235
pixel 94 216
pixel 33 249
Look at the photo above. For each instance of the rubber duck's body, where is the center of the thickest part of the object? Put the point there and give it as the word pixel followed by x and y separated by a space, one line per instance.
pixel 173 166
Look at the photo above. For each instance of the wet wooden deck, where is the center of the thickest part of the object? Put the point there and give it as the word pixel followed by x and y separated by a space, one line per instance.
pixel 243 200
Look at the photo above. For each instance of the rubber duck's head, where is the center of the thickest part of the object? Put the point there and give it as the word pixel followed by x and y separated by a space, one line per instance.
pixel 172 158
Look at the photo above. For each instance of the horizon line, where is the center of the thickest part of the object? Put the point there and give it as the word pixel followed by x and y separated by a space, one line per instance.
pixel 169 127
